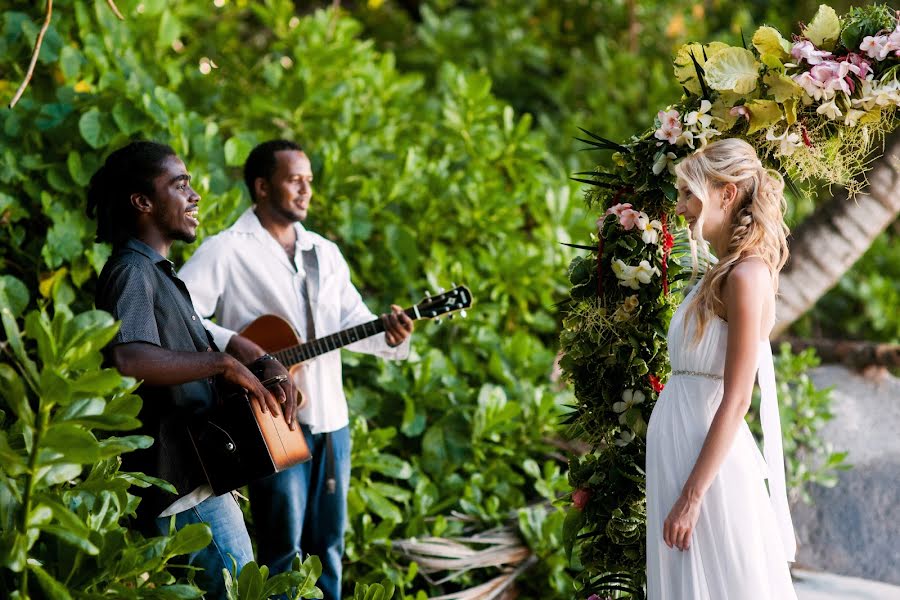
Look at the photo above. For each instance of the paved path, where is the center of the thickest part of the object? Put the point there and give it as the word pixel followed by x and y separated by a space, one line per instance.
pixel 825 586
pixel 853 528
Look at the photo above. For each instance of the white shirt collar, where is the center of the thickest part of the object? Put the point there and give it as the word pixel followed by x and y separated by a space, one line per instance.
pixel 249 223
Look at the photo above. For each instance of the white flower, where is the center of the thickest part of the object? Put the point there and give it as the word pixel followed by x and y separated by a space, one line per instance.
pixel 665 160
pixel 630 398
pixel 633 277
pixel 853 117
pixel 649 229
pixel 625 438
pixel 704 135
pixel 788 141
pixel 686 137
pixel 644 272
pixel 830 110
pixel 700 116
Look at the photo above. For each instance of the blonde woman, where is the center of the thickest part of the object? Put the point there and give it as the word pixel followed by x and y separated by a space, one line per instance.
pixel 715 530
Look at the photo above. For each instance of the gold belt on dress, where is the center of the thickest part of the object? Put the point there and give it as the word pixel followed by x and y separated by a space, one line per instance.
pixel 712 376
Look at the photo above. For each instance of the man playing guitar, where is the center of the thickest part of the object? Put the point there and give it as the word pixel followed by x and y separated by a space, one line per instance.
pixel 143 202
pixel 267 263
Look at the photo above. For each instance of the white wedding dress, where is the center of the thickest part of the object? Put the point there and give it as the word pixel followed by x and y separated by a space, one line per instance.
pixel 744 538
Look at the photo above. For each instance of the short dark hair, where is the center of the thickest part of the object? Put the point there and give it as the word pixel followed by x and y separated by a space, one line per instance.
pixel 262 163
pixel 129 170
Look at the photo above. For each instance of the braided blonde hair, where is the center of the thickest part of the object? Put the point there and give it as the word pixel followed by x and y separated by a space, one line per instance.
pixel 757 217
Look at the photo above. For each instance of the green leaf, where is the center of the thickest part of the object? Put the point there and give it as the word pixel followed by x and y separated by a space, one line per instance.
pixel 250 581
pixel 825 28
pixel 767 40
pixel 732 69
pixel 178 591
pixel 686 71
pixel 73 443
pixel 91 127
pixel 380 505
pixel 169 30
pixel 72 538
pixel 237 149
pixel 445 444
pixel 53 589
pixel 13 392
pixel 13 294
pixel 141 480
pixel 128 119
pixel 190 538
pixel 763 114
pixel 782 87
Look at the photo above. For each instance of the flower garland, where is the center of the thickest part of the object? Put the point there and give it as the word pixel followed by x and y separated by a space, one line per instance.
pixel 814 107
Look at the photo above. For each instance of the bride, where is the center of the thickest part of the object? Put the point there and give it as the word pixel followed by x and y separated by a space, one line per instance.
pixel 715 530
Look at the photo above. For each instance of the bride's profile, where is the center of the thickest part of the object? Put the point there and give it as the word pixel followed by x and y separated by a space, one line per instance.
pixel 715 529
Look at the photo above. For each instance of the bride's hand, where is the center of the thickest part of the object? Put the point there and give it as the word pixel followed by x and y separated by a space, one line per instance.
pixel 680 523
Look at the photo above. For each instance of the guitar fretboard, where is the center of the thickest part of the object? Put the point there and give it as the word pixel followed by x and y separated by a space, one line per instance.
pixel 297 354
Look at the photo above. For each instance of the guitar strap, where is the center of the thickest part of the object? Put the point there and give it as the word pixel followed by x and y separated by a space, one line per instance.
pixel 311 289
pixel 311 266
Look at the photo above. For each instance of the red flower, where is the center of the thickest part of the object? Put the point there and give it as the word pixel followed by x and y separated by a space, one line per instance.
pixel 655 383
pixel 580 498
pixel 668 241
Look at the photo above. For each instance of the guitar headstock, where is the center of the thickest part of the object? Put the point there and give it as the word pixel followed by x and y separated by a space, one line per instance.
pixel 452 301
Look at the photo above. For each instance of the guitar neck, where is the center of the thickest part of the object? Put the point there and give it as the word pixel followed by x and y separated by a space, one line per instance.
pixel 309 350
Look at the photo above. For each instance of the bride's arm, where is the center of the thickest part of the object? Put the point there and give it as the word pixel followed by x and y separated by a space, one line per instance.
pixel 746 289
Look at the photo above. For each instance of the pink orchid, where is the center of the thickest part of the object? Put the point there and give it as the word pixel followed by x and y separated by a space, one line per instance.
pixel 833 76
pixel 812 86
pixel 669 126
pixel 628 219
pixel 618 209
pixel 859 66
pixel 805 50
pixel 879 46
pixel 740 111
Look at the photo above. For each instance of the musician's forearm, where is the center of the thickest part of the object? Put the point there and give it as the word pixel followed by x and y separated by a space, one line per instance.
pixel 243 349
pixel 158 366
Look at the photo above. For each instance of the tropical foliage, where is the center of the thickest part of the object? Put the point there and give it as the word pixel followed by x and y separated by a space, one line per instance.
pixel 420 189
pixel 814 108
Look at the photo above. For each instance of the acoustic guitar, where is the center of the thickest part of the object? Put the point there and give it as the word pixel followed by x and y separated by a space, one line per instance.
pixel 238 443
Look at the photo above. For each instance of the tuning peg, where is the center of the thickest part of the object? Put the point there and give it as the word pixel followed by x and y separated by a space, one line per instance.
pixel 427 294
pixel 450 316
pixel 440 290
pixel 437 321
pixel 462 314
pixel 452 284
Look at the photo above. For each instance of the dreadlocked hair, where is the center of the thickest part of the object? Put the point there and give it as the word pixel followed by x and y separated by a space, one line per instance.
pixel 756 222
pixel 129 170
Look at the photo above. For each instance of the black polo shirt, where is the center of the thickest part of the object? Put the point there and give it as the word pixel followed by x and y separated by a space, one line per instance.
pixel 138 286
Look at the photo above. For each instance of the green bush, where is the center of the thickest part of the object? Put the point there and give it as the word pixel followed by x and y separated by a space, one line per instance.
pixel 422 184
pixel 63 500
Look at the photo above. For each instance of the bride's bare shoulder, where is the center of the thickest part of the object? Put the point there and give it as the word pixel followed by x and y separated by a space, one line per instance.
pixel 749 289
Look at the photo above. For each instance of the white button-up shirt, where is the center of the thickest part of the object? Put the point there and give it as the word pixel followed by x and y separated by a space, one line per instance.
pixel 243 273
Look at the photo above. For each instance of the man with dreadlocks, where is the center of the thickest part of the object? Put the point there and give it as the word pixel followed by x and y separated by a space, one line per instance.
pixel 143 201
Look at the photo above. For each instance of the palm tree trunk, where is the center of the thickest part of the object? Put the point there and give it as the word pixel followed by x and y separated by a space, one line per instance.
pixel 836 235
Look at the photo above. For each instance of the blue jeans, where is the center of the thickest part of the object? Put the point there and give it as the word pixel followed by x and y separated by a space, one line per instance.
pixel 229 539
pixel 295 513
